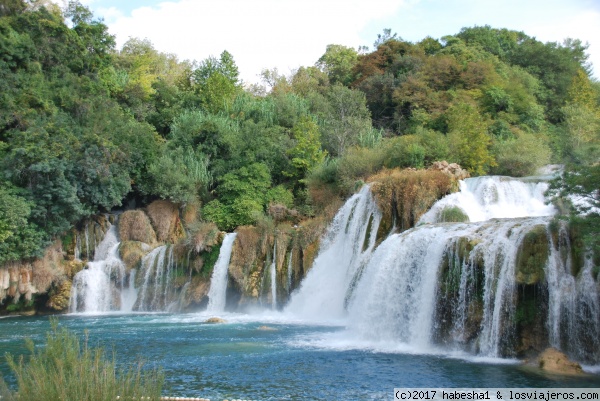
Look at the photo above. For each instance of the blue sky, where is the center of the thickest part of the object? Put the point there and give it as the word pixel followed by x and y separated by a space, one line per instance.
pixel 286 34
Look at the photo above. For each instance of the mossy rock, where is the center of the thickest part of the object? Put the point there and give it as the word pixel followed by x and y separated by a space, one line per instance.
pixel 134 225
pixel 72 267
pixel 131 253
pixel 452 214
pixel 60 296
pixel 532 256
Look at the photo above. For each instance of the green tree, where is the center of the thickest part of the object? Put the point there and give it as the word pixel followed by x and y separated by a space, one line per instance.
pixel 242 197
pixel 307 152
pixel 216 81
pixel 338 63
pixel 180 175
pixel 468 139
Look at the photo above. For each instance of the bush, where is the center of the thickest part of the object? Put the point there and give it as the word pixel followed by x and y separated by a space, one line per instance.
pixel 66 370
pixel 452 214
pixel 521 156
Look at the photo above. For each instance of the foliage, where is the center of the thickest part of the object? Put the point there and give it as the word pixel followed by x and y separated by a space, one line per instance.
pixel 578 185
pixel 86 127
pixel 468 139
pixel 338 63
pixel 179 175
pixel 65 369
pixel 521 156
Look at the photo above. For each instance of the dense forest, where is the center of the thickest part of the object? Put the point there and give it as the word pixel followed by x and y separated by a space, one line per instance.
pixel 86 128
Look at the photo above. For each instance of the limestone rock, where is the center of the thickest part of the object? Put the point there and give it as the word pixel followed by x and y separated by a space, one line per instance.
pixel 215 320
pixel 452 169
pixel 164 216
pixel 554 361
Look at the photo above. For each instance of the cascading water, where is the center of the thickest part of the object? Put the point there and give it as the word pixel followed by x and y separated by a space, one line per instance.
pixel 217 294
pixel 492 197
pixel 345 249
pixel 98 287
pixel 105 285
pixel 155 294
pixel 289 273
pixel 475 286
pixel 574 303
pixel 273 273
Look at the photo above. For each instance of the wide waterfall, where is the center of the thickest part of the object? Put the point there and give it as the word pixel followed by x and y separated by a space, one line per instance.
pixel 501 283
pixel 217 294
pixel 345 249
pixel 485 198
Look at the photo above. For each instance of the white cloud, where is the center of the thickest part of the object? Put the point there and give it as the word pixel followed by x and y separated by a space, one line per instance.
pixel 584 26
pixel 260 34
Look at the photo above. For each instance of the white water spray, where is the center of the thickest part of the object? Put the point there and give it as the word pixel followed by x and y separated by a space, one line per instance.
pixel 218 283
pixel 344 250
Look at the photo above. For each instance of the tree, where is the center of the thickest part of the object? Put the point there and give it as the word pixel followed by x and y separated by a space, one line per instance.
pixel 346 119
pixel 217 82
pixel 180 175
pixel 338 63
pixel 468 138
pixel 307 153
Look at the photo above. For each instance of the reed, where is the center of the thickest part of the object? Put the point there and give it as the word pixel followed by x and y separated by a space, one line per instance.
pixel 66 369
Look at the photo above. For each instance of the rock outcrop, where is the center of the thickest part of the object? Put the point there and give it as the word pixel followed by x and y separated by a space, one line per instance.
pixel 554 361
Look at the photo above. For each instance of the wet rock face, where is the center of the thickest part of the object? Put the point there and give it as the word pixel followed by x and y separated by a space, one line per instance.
pixel 532 257
pixel 554 361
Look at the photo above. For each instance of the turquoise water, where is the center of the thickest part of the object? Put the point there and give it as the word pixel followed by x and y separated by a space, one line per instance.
pixel 291 360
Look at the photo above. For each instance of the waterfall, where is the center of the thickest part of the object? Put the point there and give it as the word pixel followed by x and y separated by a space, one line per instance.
pixel 476 286
pixel 289 273
pixel 105 285
pixel 273 273
pixel 217 294
pixel 96 288
pixel 345 248
pixel 157 268
pixel 574 303
pixel 492 197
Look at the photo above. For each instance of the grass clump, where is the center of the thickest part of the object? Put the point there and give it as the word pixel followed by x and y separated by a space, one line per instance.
pixel 65 369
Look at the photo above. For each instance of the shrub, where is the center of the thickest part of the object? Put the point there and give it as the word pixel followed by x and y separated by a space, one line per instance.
pixel 452 214
pixel 66 370
pixel 134 225
pixel 521 156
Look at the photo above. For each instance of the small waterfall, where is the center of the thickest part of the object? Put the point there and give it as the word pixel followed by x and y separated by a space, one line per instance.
pixel 345 248
pixel 96 288
pixel 218 283
pixel 289 273
pixel 574 303
pixel 273 273
pixel 155 293
pixel 493 197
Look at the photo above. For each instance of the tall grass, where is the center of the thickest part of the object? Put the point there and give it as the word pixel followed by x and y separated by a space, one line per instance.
pixel 67 370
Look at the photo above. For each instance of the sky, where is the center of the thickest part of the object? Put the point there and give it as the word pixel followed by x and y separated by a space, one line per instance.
pixel 287 34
